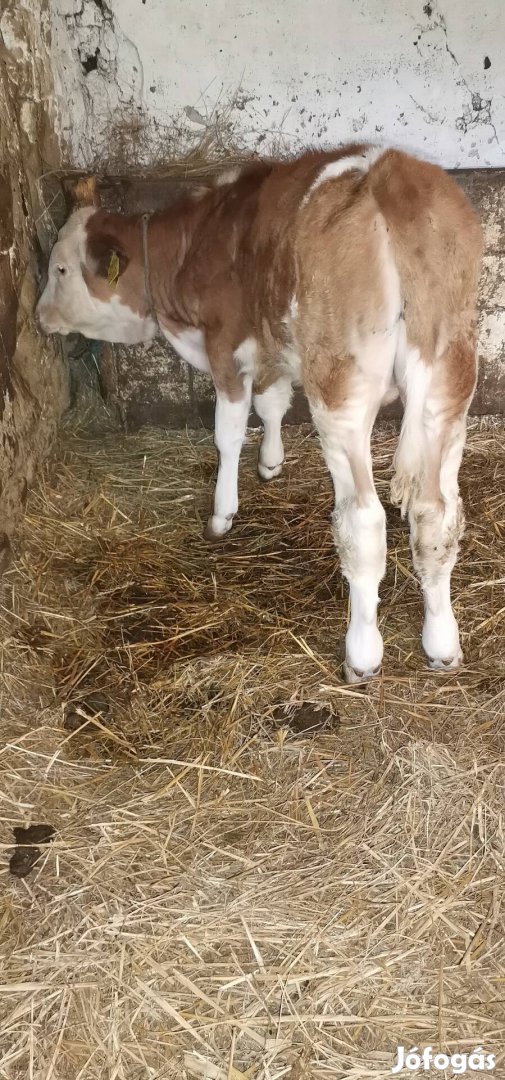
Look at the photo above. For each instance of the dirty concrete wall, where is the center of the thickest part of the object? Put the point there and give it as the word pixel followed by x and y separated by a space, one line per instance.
pixel 134 83
pixel 33 385
pixel 140 80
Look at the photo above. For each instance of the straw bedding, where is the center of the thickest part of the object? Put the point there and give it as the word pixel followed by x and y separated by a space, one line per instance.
pixel 255 872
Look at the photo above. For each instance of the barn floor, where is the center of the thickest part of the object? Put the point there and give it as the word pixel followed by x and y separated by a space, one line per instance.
pixel 256 872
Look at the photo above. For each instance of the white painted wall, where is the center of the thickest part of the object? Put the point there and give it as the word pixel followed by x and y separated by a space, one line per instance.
pixel 280 72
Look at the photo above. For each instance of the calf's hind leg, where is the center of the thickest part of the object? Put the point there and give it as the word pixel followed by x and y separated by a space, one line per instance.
pixel 427 465
pixel 359 520
pixel 271 406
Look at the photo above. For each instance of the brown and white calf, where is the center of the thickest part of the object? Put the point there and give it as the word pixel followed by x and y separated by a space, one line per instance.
pixel 353 273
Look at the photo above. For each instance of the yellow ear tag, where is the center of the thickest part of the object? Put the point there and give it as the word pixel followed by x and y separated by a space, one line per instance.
pixel 113 271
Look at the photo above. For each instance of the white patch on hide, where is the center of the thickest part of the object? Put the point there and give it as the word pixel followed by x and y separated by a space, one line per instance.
pixel 246 357
pixel 190 345
pixel 335 169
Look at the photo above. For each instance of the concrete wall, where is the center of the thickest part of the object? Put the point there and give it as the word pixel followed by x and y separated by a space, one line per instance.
pixel 140 80
pixel 33 384
pixel 121 84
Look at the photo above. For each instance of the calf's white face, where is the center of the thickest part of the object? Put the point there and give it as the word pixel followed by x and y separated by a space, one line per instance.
pixel 67 306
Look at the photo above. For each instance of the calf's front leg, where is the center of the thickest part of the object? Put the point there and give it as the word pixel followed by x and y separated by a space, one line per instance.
pixel 231 417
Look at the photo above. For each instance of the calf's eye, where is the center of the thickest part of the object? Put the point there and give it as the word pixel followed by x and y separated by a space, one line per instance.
pixel 62 269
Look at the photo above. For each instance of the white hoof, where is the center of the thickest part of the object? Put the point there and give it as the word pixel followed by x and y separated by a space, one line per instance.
pixel 449 663
pixel 441 642
pixel 356 675
pixel 217 527
pixel 364 650
pixel 267 472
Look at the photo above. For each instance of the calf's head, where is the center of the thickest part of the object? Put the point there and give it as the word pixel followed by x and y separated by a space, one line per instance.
pixel 95 284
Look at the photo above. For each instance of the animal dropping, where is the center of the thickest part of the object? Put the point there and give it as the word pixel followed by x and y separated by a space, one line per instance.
pixel 27 851
pixel 305 719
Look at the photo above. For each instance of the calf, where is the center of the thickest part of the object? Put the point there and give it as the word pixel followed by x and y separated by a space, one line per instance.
pixel 353 273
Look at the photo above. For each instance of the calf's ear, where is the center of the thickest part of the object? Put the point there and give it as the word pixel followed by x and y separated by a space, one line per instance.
pixel 108 257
